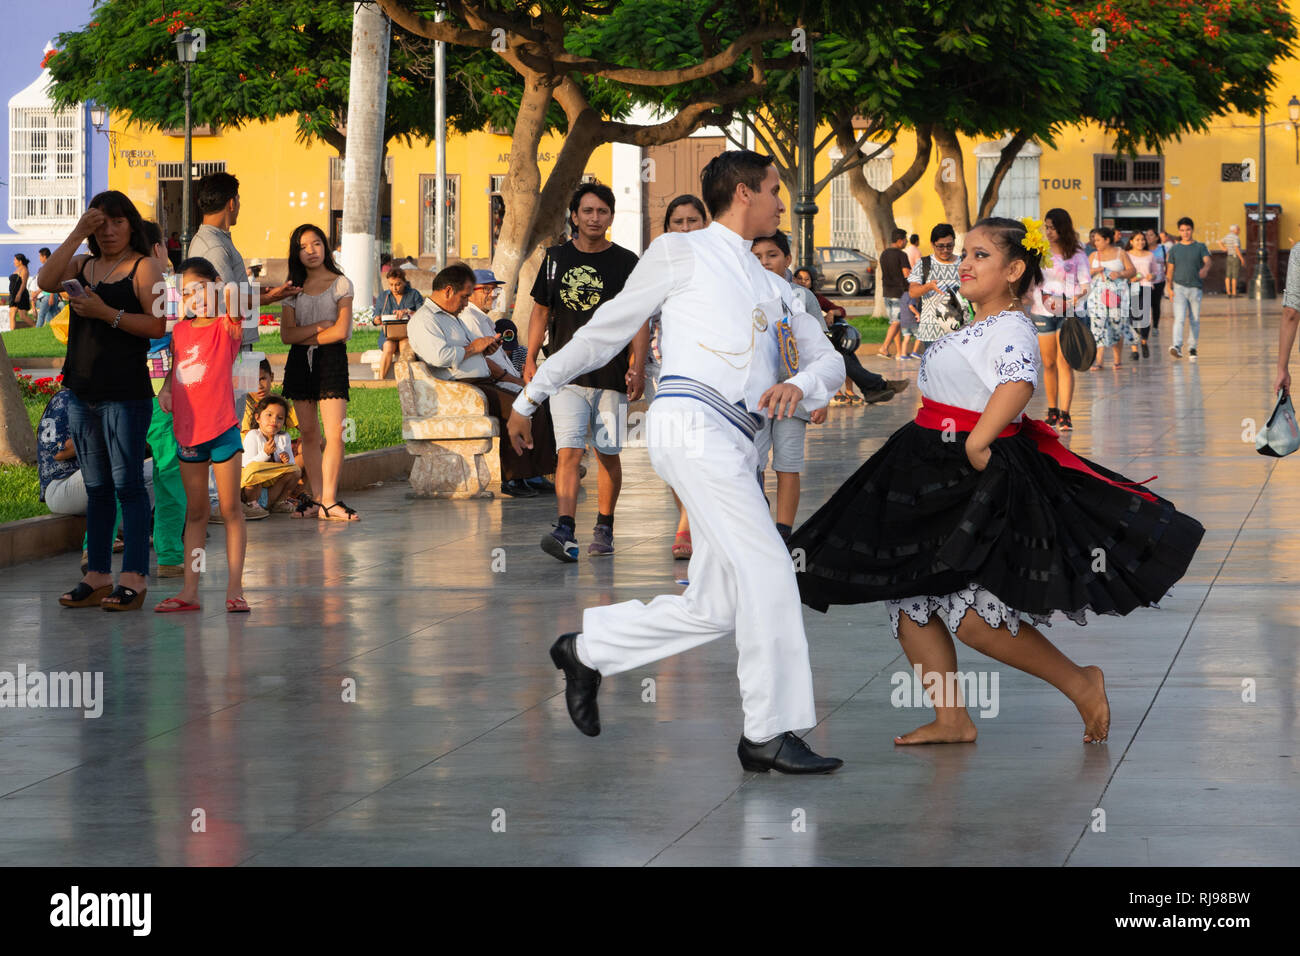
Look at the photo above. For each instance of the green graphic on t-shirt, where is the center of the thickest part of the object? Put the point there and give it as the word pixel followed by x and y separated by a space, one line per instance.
pixel 581 288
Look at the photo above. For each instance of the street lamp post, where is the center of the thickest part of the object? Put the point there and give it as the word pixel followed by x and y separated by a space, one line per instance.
pixel 1293 111
pixel 186 54
pixel 805 207
pixel 1262 285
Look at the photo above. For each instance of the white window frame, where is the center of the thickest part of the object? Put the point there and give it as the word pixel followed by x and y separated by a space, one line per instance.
pixel 849 225
pixel 47 164
pixel 1019 194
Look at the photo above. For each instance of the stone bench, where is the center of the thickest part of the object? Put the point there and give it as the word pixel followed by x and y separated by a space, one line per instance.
pixel 372 357
pixel 448 431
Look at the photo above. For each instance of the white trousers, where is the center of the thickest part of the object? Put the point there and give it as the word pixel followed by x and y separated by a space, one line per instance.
pixel 741 577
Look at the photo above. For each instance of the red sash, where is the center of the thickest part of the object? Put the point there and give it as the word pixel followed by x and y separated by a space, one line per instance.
pixel 939 417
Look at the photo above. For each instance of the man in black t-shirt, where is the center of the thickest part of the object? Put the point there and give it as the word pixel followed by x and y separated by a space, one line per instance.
pixel 894 270
pixel 575 278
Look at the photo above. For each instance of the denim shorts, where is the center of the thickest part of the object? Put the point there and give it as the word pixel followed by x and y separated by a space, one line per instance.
pixel 1047 324
pixel 216 450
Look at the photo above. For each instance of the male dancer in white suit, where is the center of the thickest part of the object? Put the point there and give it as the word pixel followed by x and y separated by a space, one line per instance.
pixel 720 313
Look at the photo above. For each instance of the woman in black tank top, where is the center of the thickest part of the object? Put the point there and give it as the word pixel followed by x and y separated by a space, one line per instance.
pixel 105 369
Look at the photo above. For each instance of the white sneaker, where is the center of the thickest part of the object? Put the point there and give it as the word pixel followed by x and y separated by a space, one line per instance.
pixel 253 511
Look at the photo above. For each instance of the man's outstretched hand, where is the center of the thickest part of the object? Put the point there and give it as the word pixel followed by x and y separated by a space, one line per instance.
pixel 780 400
pixel 520 430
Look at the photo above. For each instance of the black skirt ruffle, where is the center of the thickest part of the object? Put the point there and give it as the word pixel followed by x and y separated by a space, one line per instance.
pixel 917 519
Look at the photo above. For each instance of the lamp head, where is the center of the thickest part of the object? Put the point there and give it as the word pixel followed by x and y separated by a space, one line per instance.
pixel 185 50
pixel 1293 109
pixel 98 115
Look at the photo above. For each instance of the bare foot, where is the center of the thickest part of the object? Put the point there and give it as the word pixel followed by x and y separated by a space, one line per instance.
pixel 1094 708
pixel 962 731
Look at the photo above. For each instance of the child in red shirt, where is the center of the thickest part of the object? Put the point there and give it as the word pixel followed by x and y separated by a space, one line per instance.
pixel 200 395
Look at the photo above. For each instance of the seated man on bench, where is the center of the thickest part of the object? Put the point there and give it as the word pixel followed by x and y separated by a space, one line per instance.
pixel 442 341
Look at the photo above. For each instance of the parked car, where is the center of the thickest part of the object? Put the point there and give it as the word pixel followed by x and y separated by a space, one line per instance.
pixel 850 271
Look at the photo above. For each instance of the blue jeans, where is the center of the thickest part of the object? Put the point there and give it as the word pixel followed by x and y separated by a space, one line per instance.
pixel 50 306
pixel 111 440
pixel 1187 301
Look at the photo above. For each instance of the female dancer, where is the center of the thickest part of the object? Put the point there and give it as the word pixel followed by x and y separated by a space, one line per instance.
pixel 1142 290
pixel 317 323
pixel 1108 298
pixel 972 516
pixel 1063 293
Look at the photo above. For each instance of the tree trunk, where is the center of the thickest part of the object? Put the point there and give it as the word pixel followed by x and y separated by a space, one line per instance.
pixel 553 204
pixel 1008 156
pixel 878 204
pixel 520 190
pixel 363 163
pixel 17 440
pixel 950 182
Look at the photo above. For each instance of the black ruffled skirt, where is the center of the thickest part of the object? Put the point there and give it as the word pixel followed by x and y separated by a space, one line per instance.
pixel 324 376
pixel 917 520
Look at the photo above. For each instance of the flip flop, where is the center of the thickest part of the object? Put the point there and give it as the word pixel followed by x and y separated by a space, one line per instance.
pixel 237 606
pixel 682 545
pixel 83 595
pixel 128 599
pixel 174 604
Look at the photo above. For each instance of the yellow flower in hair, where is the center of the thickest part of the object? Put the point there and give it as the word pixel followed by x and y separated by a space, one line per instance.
pixel 1035 238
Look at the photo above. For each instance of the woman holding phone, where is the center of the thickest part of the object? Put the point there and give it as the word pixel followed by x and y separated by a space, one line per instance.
pixel 115 293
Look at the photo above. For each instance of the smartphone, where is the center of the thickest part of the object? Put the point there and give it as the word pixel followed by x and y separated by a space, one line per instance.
pixel 73 288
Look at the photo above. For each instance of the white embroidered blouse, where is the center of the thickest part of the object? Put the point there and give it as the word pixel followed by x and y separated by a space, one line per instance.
pixel 964 367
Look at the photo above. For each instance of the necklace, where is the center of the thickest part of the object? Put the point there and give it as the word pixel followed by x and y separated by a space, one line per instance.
pixel 758 323
pixel 111 268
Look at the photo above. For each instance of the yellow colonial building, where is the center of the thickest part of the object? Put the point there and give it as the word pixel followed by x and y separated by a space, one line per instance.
pixel 1210 177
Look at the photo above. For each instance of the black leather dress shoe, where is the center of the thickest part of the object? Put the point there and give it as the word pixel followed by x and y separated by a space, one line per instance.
pixel 785 754
pixel 580 685
pixel 541 485
pixel 518 488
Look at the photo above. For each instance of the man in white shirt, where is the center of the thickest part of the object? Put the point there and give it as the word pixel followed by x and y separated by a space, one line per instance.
pixel 445 343
pixel 720 313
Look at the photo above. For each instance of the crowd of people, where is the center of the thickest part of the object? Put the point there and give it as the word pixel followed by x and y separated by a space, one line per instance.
pixel 738 355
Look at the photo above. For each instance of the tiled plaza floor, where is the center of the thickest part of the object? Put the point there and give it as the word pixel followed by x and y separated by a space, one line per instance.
pixel 457 749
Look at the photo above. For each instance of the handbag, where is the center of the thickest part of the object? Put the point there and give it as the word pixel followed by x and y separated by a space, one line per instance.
pixel 1077 344
pixel 1280 436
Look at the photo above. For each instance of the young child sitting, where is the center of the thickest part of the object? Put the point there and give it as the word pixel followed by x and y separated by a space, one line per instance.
pixel 265 379
pixel 268 456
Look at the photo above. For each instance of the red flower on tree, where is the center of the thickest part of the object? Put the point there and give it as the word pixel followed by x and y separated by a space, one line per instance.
pixel 45 60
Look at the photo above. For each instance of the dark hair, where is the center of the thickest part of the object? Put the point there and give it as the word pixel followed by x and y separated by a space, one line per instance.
pixel 726 171
pixel 942 231
pixel 683 200
pixel 153 232
pixel 385 258
pixel 298 271
pixel 1007 235
pixel 43 251
pixel 21 258
pixel 779 240
pixel 806 270
pixel 455 276
pixel 215 190
pixel 200 267
pixel 599 190
pixel 896 234
pixel 1106 232
pixel 1065 234
pixel 267 402
pixel 1187 220
pixel 1146 246
pixel 265 366
pixel 914 238
pixel 116 205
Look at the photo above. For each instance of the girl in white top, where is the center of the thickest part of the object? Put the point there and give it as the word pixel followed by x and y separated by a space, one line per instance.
pixel 1149 271
pixel 975 521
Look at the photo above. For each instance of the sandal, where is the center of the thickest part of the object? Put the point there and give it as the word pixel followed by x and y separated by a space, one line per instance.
pixel 236 606
pixel 305 504
pixel 682 545
pixel 1065 424
pixel 83 595
pixel 839 399
pixel 349 512
pixel 1053 416
pixel 126 599
pixel 174 604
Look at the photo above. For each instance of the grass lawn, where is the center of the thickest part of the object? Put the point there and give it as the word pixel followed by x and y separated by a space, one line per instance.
pixel 872 329
pixel 376 418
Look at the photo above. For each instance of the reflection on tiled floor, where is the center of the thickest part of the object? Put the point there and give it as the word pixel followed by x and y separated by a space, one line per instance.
pixel 228 739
